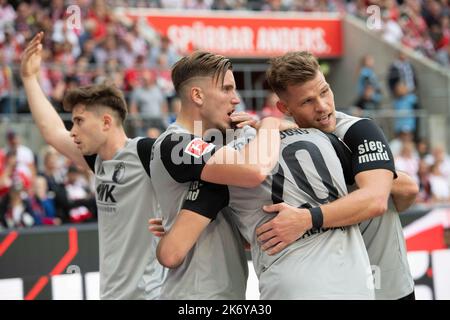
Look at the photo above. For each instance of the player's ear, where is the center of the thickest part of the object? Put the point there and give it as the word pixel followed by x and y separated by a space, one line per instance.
pixel 107 121
pixel 197 95
pixel 283 108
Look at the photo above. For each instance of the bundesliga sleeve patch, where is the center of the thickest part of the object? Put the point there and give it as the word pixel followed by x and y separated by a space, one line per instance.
pixel 198 148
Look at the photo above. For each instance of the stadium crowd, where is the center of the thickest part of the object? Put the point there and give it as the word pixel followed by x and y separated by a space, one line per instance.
pixel 138 60
pixel 46 189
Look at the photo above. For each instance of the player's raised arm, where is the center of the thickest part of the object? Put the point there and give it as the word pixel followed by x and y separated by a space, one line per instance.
pixel 44 114
pixel 249 166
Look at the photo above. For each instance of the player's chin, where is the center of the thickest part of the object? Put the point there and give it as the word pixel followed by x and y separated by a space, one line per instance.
pixel 224 126
pixel 86 152
pixel 329 126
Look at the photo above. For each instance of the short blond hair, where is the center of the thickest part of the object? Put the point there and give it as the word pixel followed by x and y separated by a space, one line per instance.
pixel 293 68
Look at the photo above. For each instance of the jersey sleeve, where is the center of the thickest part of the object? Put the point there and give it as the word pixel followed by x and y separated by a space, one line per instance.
pixel 345 157
pixel 206 199
pixel 184 156
pixel 369 147
pixel 91 161
pixel 144 150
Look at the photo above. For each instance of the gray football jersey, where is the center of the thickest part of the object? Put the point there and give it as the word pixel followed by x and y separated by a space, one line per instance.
pixel 126 200
pixel 322 264
pixel 216 267
pixel 383 235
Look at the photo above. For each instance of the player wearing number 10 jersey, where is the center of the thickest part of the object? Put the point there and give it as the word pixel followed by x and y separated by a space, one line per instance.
pixel 324 263
pixel 306 96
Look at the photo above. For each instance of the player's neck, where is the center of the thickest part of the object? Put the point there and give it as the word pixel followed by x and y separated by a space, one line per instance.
pixel 115 142
pixel 191 121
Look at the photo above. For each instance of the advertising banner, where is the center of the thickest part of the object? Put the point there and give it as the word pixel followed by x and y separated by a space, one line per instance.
pixel 245 35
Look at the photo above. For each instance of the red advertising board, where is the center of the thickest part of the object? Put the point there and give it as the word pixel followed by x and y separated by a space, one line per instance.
pixel 249 34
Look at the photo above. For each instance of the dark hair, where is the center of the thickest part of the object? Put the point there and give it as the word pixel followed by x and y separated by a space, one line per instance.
pixel 293 68
pixel 199 64
pixel 95 96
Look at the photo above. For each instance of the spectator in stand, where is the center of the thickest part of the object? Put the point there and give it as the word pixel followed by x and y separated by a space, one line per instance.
pixel 10 46
pixel 358 8
pixel 401 138
pixel 163 74
pixel 401 70
pixel 6 85
pixel 63 34
pixel 439 186
pixel 240 4
pixel 54 173
pixel 172 4
pixel 432 12
pixel 445 24
pixel 7 16
pixel 7 167
pixel 83 71
pixel 42 204
pixel 164 47
pixel 438 37
pixel 405 103
pixel 422 148
pixel 107 50
pixel 77 192
pixel 221 5
pixel 424 195
pixel 368 77
pixel 148 102
pixel 198 4
pixel 415 27
pixel 370 99
pixel 135 42
pixel 24 155
pixel 390 28
pixel 101 17
pixel 25 19
pixel 407 161
pixel 15 209
pixel 133 74
pixel 443 56
pixel 88 51
pixel 274 5
pixel 440 157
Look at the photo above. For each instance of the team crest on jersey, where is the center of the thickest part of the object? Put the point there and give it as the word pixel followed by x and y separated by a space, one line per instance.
pixel 119 172
pixel 198 148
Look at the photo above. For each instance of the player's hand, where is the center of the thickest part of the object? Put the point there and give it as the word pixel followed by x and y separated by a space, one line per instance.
pixel 286 227
pixel 155 226
pixel 241 119
pixel 286 125
pixel 31 58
